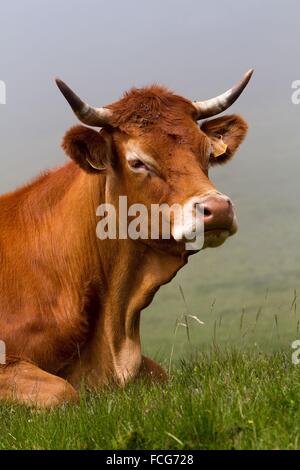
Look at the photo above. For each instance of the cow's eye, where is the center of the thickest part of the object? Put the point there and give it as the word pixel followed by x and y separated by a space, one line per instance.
pixel 138 165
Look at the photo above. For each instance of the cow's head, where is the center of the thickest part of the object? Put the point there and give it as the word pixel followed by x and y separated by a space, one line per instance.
pixel 152 150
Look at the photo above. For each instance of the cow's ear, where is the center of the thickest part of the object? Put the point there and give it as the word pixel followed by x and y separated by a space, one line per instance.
pixel 88 148
pixel 226 133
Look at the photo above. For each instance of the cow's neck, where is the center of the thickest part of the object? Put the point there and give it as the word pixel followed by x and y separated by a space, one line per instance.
pixel 128 273
pixel 134 273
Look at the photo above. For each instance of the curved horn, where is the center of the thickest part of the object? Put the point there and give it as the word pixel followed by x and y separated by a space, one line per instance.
pixel 208 108
pixel 97 117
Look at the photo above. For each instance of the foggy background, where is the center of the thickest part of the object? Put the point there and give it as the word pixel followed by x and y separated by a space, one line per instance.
pixel 198 49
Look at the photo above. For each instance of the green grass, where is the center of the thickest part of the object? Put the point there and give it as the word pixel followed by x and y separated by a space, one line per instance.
pixel 220 400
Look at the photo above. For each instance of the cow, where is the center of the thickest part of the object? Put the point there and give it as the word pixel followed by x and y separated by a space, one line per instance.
pixel 70 302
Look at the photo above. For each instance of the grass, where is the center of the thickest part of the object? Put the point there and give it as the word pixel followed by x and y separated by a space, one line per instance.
pixel 221 400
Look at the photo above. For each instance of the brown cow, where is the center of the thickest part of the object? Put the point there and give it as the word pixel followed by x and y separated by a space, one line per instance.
pixel 70 303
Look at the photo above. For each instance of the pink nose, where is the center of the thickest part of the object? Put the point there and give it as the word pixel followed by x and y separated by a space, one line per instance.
pixel 218 213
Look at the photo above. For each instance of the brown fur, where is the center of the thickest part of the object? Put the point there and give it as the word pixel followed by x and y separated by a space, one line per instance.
pixel 69 303
pixel 141 110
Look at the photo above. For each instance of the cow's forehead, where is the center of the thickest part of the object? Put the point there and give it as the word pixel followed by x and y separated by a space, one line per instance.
pixel 157 123
pixel 151 107
pixel 166 150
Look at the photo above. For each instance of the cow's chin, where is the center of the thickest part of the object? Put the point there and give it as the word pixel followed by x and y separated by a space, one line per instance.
pixel 212 239
pixel 215 238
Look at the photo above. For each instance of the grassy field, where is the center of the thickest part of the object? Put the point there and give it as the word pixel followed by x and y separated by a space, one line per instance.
pixel 220 400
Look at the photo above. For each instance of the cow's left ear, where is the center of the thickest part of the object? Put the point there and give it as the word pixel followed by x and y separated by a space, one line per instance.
pixel 90 149
pixel 226 133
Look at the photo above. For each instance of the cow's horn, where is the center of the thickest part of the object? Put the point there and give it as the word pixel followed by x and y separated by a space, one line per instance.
pixel 97 117
pixel 208 108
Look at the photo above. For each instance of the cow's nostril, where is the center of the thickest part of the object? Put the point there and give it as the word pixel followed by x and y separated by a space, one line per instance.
pixel 218 213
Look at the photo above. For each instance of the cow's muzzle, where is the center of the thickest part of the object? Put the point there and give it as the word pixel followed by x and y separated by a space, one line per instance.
pixel 219 219
pixel 216 212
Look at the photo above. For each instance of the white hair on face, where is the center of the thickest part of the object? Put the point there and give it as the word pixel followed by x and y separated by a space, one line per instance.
pixel 135 153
